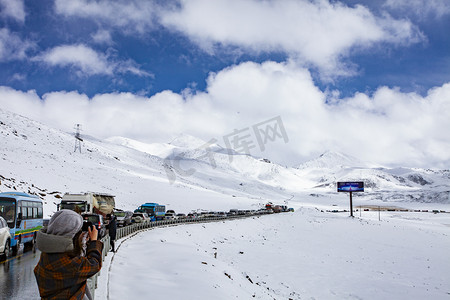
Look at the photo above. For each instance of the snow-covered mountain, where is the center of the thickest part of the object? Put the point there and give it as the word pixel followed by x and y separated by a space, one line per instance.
pixel 333 160
pixel 386 184
pixel 188 173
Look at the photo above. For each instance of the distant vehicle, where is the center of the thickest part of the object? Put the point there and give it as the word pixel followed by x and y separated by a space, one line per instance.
pixel 91 203
pixel 192 215
pixel 123 217
pixel 277 209
pixel 206 214
pixel 140 217
pixel 290 209
pixel 233 212
pixel 98 222
pixel 154 210
pixel 221 214
pixel 181 216
pixel 5 240
pixel 170 215
pixel 23 214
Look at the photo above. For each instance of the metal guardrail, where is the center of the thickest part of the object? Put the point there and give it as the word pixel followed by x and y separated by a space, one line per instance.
pixel 130 229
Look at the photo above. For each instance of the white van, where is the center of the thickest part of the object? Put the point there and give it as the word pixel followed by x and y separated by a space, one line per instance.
pixel 5 239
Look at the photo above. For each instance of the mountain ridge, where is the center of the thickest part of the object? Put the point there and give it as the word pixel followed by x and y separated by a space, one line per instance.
pixel 41 160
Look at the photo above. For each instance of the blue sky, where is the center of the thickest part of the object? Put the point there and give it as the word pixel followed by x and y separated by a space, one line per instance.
pixel 196 59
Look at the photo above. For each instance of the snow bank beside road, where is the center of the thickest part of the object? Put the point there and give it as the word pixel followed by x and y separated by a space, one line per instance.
pixel 294 255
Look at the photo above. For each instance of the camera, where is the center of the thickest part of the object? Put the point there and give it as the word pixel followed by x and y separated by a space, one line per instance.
pixel 86 225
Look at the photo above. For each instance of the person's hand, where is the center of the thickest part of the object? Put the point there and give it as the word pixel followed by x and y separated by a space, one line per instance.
pixel 93 233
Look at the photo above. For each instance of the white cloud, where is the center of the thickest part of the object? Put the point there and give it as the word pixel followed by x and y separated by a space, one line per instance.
pixel 25 103
pixel 128 15
pixel 12 9
pixel 390 127
pixel 83 58
pixel 12 47
pixel 102 37
pixel 19 77
pixel 317 32
pixel 86 61
pixel 421 8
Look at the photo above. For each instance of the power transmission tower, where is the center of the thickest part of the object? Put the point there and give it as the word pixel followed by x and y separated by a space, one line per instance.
pixel 78 138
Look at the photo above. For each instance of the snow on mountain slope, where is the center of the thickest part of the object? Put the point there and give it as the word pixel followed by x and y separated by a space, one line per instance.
pixel 160 150
pixel 188 173
pixel 333 160
pixel 187 141
pixel 210 163
pixel 40 160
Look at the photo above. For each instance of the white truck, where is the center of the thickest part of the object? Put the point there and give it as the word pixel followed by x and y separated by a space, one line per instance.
pixel 93 203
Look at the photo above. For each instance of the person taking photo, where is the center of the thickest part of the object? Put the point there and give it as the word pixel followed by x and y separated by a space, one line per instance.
pixel 69 256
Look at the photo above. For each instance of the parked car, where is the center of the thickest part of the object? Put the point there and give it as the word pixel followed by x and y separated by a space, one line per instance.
pixel 192 216
pixel 123 217
pixel 180 216
pixel 170 215
pixel 98 222
pixel 5 240
pixel 233 212
pixel 204 214
pixel 207 214
pixel 140 218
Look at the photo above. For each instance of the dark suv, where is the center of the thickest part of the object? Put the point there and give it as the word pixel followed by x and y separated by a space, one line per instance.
pixel 96 220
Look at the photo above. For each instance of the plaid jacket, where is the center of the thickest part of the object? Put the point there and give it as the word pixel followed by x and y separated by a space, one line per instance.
pixel 61 277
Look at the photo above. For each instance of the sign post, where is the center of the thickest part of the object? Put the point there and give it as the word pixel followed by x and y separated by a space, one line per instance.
pixel 351 205
pixel 350 187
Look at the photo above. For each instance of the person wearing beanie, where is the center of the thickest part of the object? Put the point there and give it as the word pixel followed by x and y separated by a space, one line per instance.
pixel 64 266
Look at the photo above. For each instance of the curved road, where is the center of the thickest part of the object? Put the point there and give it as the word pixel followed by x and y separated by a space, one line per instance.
pixel 17 279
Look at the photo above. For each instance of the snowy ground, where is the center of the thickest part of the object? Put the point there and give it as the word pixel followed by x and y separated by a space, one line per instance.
pixel 308 254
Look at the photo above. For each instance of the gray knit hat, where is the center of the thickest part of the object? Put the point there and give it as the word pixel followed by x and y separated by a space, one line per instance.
pixel 65 223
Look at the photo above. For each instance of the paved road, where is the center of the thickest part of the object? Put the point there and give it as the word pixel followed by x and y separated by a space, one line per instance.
pixel 17 278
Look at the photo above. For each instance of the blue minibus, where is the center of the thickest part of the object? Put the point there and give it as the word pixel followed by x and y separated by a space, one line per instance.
pixel 23 213
pixel 155 211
